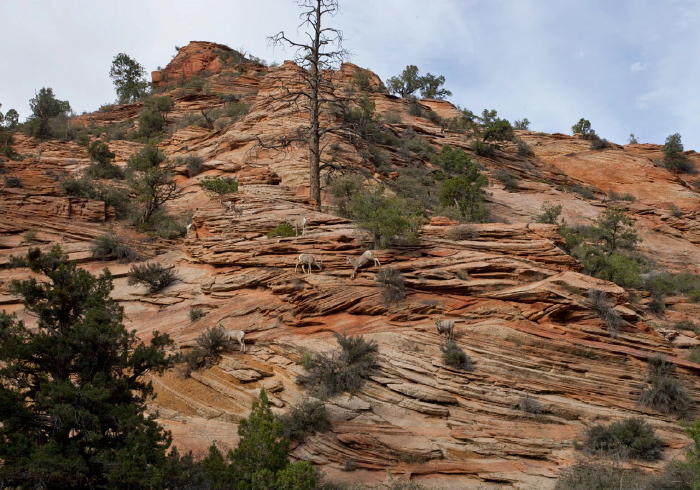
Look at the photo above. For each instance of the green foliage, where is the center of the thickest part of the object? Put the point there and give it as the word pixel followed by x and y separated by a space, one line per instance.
pixel 666 283
pixel 454 161
pixel 664 393
pixel 583 127
pixel 196 314
pixel 129 79
pixel 524 150
pixel 529 405
pixel 466 191
pixel 12 182
pixel 483 149
pixel 151 123
pixel 86 188
pixel 362 118
pixel 8 123
pixel 413 142
pixel 103 168
pixel 409 82
pixel 521 124
pixel 464 232
pixel 154 275
pixel 328 374
pixel 284 230
pixel 455 357
pixel 509 181
pixel 49 116
pixel 494 128
pixel 599 144
pixel 341 191
pixel 674 159
pixel 392 286
pixel 607 248
pixel 213 341
pixel 628 438
pixel 151 178
pixel 306 417
pixel 72 392
pixel 361 80
pixel 193 163
pixel 111 246
pixel 220 185
pixel 601 476
pixel 100 152
pixel 388 220
pixel 550 213
pixel 262 444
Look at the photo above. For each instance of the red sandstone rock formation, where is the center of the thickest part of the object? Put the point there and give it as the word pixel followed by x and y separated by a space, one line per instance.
pixel 521 302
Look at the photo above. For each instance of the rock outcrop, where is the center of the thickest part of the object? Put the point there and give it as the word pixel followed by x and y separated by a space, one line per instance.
pixel 521 303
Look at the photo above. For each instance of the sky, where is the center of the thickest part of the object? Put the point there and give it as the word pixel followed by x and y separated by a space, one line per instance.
pixel 628 66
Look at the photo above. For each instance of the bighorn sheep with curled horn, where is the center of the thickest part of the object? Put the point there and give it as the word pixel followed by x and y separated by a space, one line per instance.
pixel 361 261
pixel 309 261
pixel 445 326
pixel 231 335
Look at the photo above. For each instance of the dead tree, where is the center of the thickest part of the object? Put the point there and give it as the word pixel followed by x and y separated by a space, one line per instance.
pixel 322 53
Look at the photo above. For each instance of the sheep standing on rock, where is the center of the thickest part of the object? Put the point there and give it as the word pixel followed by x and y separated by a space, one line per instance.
pixel 447 327
pixel 237 335
pixel 298 224
pixel 309 261
pixel 361 261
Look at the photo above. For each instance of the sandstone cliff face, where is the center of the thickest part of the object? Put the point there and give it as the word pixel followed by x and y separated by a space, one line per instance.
pixel 520 302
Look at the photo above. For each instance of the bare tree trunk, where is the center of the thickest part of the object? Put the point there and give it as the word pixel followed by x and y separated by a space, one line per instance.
pixel 314 109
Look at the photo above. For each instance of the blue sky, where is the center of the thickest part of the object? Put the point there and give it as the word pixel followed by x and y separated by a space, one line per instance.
pixel 627 66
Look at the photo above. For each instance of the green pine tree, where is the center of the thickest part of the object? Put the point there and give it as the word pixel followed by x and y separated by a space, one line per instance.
pixel 72 388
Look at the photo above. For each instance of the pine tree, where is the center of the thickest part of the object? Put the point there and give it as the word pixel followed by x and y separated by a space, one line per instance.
pixel 72 391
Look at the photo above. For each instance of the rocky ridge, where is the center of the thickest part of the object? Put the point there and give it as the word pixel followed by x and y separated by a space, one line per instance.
pixel 521 302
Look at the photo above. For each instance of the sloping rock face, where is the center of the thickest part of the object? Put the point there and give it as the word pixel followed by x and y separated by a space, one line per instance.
pixel 520 303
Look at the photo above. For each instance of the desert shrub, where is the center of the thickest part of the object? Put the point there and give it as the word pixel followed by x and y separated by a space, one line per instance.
pixel 391 117
pixel 599 476
pixel 196 314
pixel 582 191
pixel 107 171
pixel 166 225
pixel 282 230
pixel 388 220
pixel 192 119
pixel 598 301
pixel 529 405
pixel 521 124
pixel 550 213
pixel 220 185
pixel 524 150
pixel 509 181
pixel 111 246
pixel 693 355
pixel 29 236
pixel 328 374
pixel 154 275
pixel 483 149
pixel 599 144
pixel 213 341
pixel 674 159
pixel 664 393
pixel 194 165
pixel 583 127
pixel 466 192
pixel 151 123
pixel 455 357
pixel 414 142
pixel 341 191
pixel 464 232
pixel 306 417
pixel 12 182
pixel 87 188
pixel 628 438
pixel 454 161
pixel 392 285
pixel 667 283
pixel 417 184
pixel 614 196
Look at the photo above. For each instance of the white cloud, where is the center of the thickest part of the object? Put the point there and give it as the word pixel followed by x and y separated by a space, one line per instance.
pixel 639 66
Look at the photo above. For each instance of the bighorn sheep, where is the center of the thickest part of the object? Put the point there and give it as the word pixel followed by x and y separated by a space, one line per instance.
pixel 309 261
pixel 188 227
pixel 230 207
pixel 447 327
pixel 361 261
pixel 237 335
pixel 298 224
